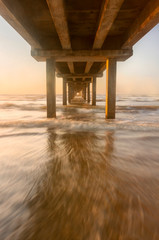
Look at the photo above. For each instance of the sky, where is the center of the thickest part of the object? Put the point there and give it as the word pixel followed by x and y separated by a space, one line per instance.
pixel 21 74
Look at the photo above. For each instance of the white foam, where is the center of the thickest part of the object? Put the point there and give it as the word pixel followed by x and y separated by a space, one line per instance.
pixel 71 125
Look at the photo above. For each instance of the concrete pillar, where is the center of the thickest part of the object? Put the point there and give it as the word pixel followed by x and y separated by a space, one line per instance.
pixel 69 93
pixel 51 88
pixel 110 88
pixel 88 92
pixel 64 92
pixel 73 92
pixel 84 91
pixel 94 91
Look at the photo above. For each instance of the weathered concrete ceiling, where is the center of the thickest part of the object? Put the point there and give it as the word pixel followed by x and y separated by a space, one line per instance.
pixel 68 27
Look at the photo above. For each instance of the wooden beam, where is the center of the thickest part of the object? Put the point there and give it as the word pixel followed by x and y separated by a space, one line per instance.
pixel 81 55
pixel 17 25
pixel 147 19
pixel 78 75
pixel 108 14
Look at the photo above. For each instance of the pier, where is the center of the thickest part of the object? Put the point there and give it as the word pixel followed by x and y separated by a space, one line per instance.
pixel 78 40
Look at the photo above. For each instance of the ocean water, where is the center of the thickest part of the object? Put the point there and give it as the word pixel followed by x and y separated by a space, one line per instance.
pixel 79 176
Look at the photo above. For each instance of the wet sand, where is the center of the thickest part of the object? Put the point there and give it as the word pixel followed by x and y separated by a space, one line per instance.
pixel 84 179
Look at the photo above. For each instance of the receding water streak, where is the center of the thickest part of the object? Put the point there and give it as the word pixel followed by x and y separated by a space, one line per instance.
pixel 79 176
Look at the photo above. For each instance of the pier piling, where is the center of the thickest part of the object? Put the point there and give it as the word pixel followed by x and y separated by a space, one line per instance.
pixel 110 88
pixel 51 88
pixel 94 91
pixel 64 92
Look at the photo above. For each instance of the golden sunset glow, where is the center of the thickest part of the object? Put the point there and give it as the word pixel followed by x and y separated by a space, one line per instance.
pixel 21 74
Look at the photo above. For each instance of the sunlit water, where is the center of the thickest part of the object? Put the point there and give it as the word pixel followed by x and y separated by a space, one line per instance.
pixel 79 176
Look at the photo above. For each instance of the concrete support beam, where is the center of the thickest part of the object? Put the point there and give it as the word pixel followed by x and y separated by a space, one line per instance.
pixel 71 67
pixel 88 67
pixel 72 93
pixel 84 92
pixel 79 75
pixel 13 20
pixel 102 68
pixel 71 81
pixel 110 88
pixel 64 92
pixel 109 12
pixel 94 91
pixel 51 88
pixel 81 55
pixel 146 20
pixel 58 14
pixel 88 92
pixel 69 93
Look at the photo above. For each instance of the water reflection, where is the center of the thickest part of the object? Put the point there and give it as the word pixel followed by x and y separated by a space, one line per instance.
pixel 81 196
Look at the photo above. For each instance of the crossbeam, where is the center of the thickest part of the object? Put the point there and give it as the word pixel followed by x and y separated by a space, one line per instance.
pixel 78 75
pixel 81 55
pixel 79 83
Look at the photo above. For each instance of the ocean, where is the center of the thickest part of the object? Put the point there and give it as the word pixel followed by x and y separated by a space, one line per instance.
pixel 79 176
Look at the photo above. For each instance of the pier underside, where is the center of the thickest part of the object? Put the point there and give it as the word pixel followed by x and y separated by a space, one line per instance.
pixel 80 39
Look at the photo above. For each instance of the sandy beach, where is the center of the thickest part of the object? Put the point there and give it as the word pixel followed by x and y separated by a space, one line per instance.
pixel 79 176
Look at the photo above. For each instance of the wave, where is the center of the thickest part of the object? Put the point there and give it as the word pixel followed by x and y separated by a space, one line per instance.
pixel 35 97
pixel 72 125
pixel 21 134
pixel 100 100
pixel 137 108
pixel 28 106
pixel 37 106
